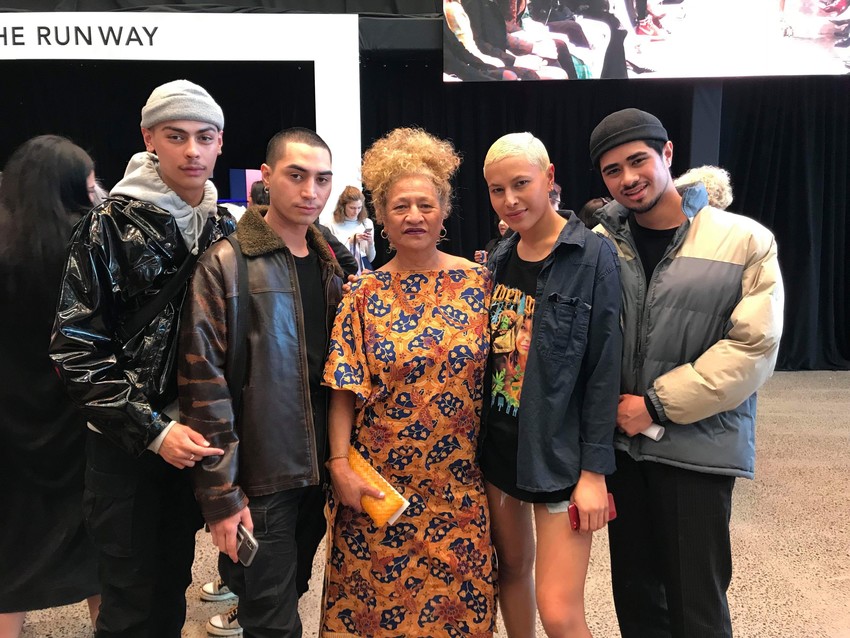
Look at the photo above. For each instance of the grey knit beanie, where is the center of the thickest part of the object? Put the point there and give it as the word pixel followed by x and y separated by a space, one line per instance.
pixel 181 100
pixel 621 127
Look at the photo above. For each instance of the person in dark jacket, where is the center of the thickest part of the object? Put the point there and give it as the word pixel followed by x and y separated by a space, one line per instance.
pixel 702 319
pixel 48 187
pixel 139 505
pixel 553 388
pixel 270 475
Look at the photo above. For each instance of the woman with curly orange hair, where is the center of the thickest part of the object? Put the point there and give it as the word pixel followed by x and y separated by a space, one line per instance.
pixel 407 359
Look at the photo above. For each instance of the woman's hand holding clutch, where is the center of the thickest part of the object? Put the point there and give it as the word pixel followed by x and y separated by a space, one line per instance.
pixel 349 486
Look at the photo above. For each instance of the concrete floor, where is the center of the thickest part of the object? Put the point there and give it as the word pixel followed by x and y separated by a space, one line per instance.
pixel 790 531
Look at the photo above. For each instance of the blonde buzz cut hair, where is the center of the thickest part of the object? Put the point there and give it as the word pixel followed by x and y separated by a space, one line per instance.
pixel 518 144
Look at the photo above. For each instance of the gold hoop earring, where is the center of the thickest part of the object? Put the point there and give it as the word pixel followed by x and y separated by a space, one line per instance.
pixel 384 233
pixel 443 233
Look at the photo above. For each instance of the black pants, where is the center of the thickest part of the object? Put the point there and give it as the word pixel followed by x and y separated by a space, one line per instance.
pixel 671 559
pixel 288 526
pixel 142 516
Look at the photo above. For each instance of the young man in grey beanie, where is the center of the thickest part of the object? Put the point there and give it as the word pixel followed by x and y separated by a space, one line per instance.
pixel 702 318
pixel 114 344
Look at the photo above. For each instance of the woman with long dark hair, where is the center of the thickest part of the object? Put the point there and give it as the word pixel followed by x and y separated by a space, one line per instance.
pixel 46 558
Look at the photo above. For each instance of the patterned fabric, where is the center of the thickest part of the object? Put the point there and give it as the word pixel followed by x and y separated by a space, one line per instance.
pixel 413 348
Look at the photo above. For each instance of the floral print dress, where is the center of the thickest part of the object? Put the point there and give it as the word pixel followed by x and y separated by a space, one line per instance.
pixel 413 348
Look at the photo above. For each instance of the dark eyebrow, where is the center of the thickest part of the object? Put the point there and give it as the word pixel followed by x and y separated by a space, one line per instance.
pixel 304 170
pixel 206 129
pixel 630 158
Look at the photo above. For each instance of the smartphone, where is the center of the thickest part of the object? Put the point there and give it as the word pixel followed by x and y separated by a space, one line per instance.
pixel 573 511
pixel 246 545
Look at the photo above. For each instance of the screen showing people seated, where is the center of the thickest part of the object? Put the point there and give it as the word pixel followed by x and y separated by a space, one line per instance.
pixel 486 40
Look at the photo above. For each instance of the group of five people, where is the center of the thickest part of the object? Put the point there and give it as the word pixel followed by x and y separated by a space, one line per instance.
pixel 492 398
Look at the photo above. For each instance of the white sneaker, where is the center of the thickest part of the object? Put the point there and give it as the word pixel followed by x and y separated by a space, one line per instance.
pixel 224 624
pixel 216 591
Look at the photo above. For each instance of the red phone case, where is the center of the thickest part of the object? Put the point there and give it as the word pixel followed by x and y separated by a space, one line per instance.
pixel 573 511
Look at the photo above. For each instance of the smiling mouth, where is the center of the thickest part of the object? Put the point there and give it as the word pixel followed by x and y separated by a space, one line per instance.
pixel 636 192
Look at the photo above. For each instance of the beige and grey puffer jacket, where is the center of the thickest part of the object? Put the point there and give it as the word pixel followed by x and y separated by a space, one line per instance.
pixel 701 336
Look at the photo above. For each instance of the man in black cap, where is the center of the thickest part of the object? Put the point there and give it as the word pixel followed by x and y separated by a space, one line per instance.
pixel 114 344
pixel 702 318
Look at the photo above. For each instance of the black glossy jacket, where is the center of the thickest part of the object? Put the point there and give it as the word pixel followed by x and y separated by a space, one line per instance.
pixel 119 257
pixel 272 446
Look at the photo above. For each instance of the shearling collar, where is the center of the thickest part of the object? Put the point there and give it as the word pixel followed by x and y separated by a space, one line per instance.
pixel 257 238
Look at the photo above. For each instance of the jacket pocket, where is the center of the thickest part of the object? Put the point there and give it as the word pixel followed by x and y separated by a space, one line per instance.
pixel 108 511
pixel 563 327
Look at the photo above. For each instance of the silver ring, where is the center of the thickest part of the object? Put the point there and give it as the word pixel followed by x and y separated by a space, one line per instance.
pixel 191 457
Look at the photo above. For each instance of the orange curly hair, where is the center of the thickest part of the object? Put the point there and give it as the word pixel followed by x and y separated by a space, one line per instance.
pixel 406 152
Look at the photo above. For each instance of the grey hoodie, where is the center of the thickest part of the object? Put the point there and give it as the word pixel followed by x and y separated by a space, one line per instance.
pixel 142 181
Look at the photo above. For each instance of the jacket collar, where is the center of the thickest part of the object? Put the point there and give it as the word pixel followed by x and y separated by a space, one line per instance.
pixel 613 216
pixel 572 233
pixel 257 238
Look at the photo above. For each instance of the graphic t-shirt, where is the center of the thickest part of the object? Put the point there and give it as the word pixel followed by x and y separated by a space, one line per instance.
pixel 511 318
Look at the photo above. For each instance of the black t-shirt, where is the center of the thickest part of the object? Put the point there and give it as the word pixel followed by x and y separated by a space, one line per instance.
pixel 651 244
pixel 313 303
pixel 511 316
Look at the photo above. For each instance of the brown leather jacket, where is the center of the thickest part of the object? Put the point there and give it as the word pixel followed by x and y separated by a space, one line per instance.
pixel 272 445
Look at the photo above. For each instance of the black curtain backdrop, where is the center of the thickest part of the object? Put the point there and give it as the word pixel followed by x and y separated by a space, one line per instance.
pixel 785 141
pixel 98 105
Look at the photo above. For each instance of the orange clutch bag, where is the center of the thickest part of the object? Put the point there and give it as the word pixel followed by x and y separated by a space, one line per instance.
pixel 381 510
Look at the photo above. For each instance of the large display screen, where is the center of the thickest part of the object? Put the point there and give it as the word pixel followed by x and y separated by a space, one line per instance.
pixel 618 39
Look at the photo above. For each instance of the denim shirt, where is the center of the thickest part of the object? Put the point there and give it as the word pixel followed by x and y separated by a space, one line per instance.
pixel 571 386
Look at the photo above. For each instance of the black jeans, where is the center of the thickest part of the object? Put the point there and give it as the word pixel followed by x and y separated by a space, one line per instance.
pixel 142 516
pixel 671 559
pixel 288 526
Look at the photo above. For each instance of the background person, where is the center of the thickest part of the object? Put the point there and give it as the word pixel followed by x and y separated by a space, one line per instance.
pixel 716 180
pixel 353 228
pixel 46 556
pixel 258 195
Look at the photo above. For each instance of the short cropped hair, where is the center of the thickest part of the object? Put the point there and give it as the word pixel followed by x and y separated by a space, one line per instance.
pixel 409 152
pixel 522 144
pixel 277 144
pixel 349 194
pixel 717 182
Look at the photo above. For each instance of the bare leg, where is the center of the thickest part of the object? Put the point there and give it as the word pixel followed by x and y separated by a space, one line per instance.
pixel 11 624
pixel 94 609
pixel 561 569
pixel 513 537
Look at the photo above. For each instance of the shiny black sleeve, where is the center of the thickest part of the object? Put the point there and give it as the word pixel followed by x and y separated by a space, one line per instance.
pixel 85 347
